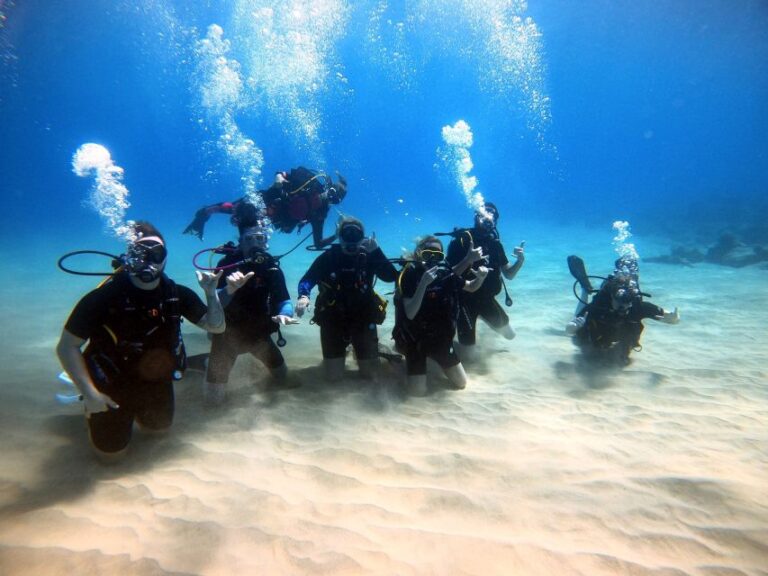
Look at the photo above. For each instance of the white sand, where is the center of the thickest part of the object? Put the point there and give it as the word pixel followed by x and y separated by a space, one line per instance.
pixel 537 468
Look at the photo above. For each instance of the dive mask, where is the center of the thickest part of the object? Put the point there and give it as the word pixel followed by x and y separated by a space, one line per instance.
pixel 350 237
pixel 623 297
pixel 431 256
pixel 253 241
pixel 350 234
pixel 146 259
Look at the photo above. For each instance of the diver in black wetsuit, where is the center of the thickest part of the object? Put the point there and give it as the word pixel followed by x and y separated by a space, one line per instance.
pixel 135 350
pixel 482 303
pixel 296 198
pixel 608 327
pixel 347 308
pixel 253 313
pixel 426 309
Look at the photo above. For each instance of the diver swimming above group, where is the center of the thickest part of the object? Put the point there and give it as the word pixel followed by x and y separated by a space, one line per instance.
pixel 294 199
pixel 130 325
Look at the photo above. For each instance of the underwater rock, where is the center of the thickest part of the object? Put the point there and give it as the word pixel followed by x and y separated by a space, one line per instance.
pixel 679 255
pixel 728 251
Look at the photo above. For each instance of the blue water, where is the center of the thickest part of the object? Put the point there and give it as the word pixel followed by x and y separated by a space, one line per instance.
pixel 582 113
pixel 656 113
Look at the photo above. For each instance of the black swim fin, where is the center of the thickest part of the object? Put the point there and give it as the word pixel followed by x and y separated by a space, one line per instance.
pixel 197 226
pixel 579 271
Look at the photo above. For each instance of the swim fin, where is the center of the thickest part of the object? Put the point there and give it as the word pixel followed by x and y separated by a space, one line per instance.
pixel 69 398
pixel 579 271
pixel 64 378
pixel 197 226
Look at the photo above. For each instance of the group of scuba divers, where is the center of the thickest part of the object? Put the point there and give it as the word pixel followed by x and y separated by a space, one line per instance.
pixel 130 325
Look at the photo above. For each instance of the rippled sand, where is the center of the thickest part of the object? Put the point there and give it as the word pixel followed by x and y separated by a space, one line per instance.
pixel 540 467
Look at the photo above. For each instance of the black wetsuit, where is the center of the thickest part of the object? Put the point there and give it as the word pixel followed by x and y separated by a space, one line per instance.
pixel 347 308
pixel 297 202
pixel 430 333
pixel 481 303
pixel 606 329
pixel 249 317
pixel 134 348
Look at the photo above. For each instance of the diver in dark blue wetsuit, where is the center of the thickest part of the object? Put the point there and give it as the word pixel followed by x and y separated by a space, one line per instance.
pixel 348 309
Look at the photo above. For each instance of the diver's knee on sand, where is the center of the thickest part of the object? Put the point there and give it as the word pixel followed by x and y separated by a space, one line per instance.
pixel 280 373
pixel 457 376
pixel 109 457
pixel 214 393
pixel 333 368
pixel 368 368
pixel 416 385
pixel 506 331
pixel 467 352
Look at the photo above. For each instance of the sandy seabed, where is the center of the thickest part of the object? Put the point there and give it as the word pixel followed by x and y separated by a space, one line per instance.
pixel 540 467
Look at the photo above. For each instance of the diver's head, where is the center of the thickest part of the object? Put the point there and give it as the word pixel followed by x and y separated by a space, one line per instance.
pixel 335 194
pixel 624 292
pixel 146 255
pixel 281 178
pixel 254 240
pixel 429 251
pixel 627 265
pixel 246 214
pixel 486 219
pixel 350 232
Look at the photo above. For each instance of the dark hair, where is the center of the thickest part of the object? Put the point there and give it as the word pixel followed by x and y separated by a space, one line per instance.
pixel 246 216
pixel 491 209
pixel 142 228
pixel 428 240
pixel 421 244
pixel 349 221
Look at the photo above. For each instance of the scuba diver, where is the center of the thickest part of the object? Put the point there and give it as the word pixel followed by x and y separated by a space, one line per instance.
pixel 482 303
pixel 132 323
pixel 296 198
pixel 608 327
pixel 253 312
pixel 347 308
pixel 426 310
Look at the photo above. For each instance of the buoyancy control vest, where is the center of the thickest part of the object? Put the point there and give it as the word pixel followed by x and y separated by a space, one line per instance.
pixel 141 337
pixel 438 312
pixel 251 309
pixel 346 291
pixel 297 201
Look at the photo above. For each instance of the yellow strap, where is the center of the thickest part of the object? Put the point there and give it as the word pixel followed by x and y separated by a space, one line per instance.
pixel 468 233
pixel 112 334
pixel 300 188
pixel 400 278
pixel 108 278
